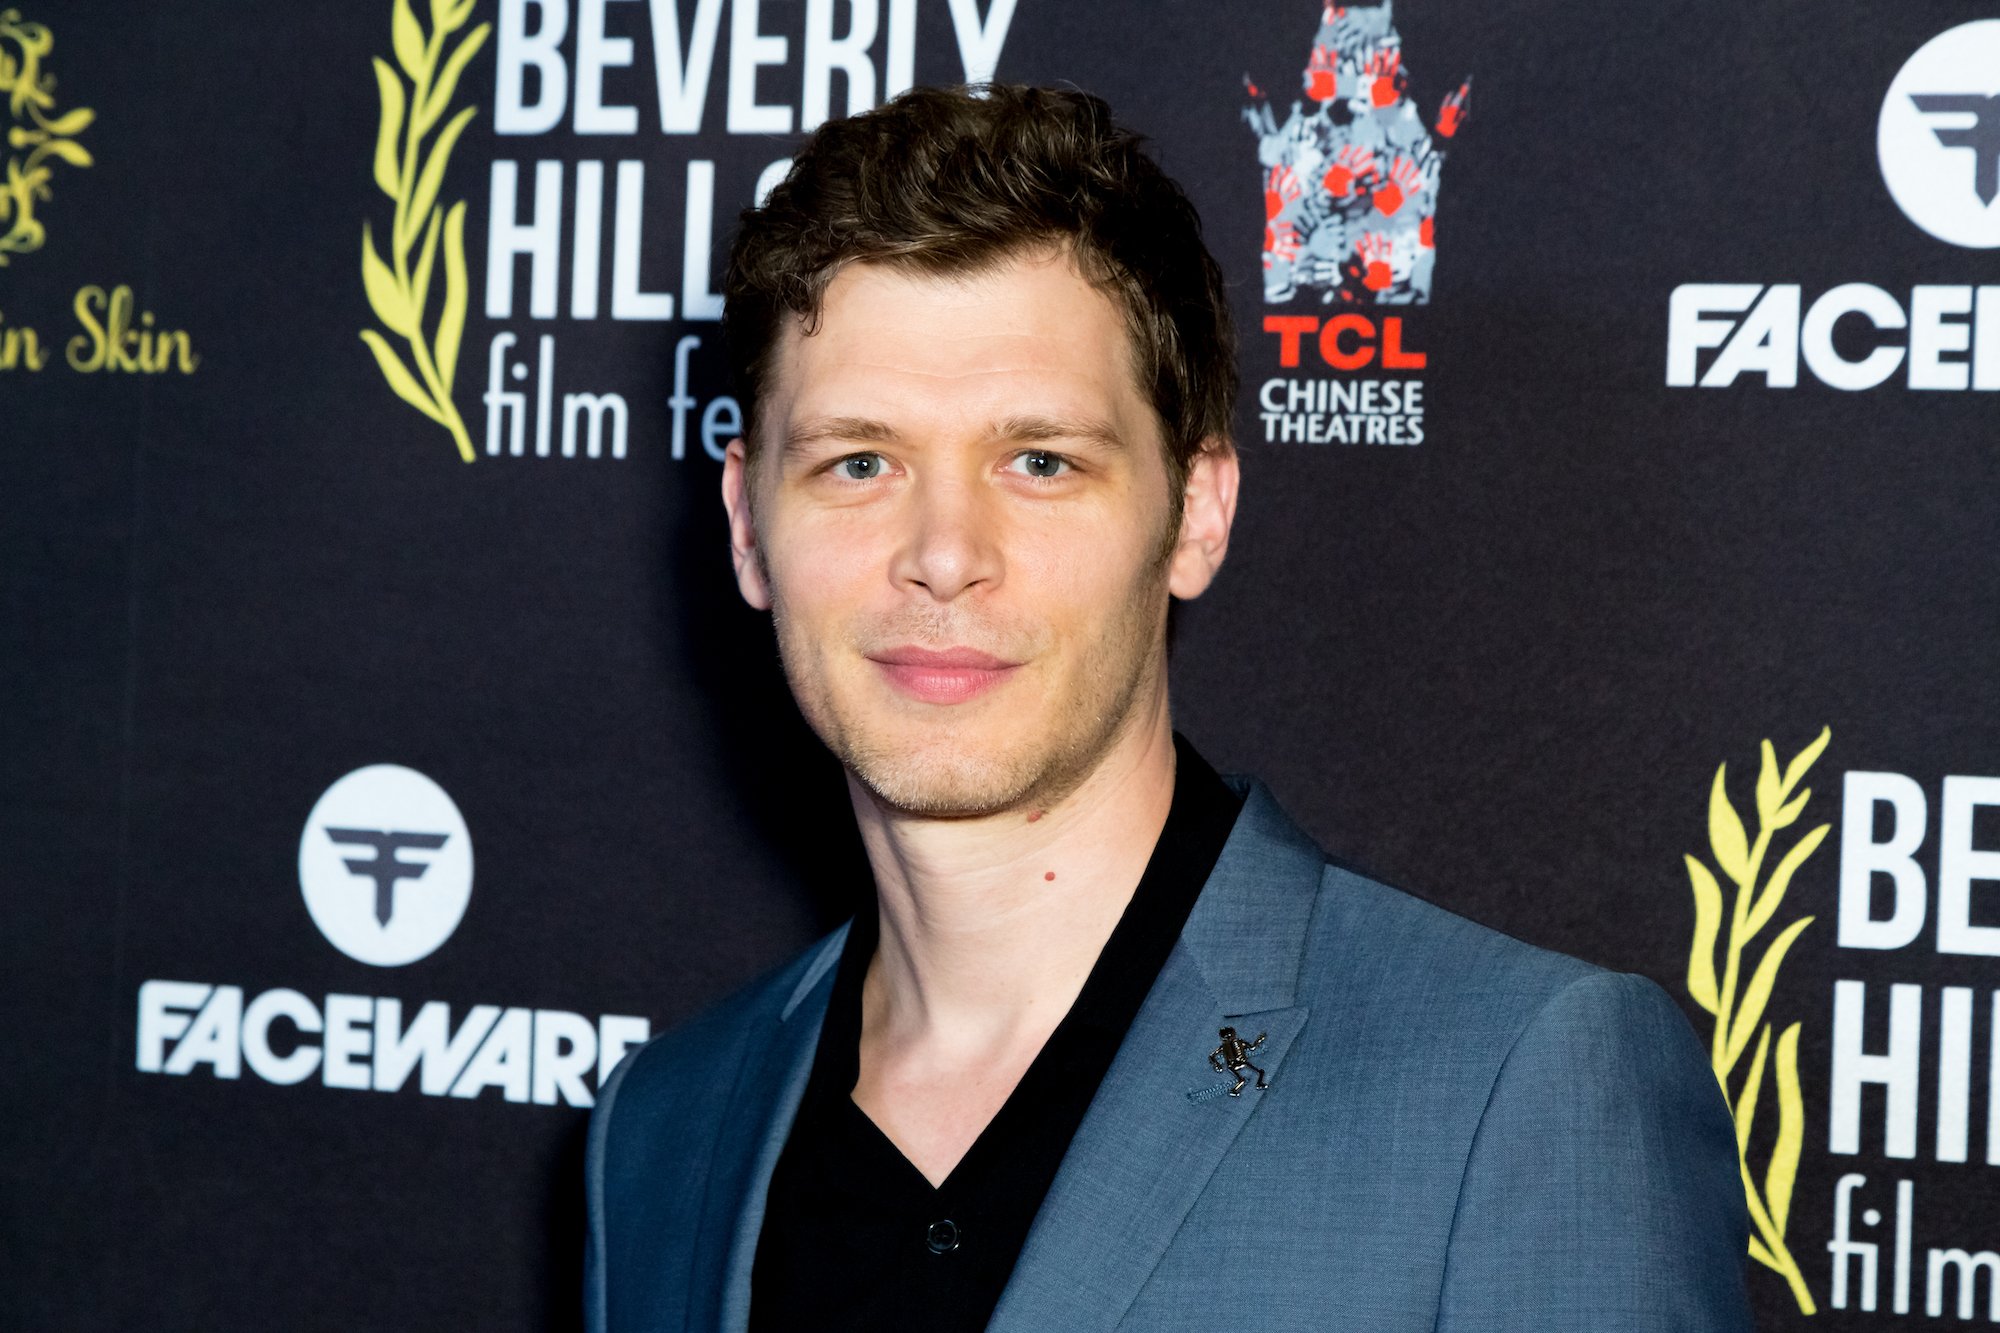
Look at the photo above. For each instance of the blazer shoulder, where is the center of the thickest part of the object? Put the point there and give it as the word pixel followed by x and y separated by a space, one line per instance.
pixel 1377 955
pixel 1362 924
pixel 1487 997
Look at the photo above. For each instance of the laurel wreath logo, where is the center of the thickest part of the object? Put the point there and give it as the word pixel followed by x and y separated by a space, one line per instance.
pixel 31 103
pixel 1740 1017
pixel 411 175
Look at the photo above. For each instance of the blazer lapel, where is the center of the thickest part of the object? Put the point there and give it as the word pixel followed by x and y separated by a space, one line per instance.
pixel 1162 1120
pixel 756 1123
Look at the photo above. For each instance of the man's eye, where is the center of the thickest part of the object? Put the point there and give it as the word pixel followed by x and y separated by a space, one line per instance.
pixel 1036 463
pixel 861 467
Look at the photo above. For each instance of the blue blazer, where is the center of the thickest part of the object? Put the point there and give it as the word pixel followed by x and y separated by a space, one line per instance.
pixel 1461 1133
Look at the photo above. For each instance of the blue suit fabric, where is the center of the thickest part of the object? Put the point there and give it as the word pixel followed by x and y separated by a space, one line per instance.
pixel 1462 1132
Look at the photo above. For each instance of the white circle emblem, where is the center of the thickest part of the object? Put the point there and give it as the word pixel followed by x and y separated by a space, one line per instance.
pixel 385 864
pixel 1938 136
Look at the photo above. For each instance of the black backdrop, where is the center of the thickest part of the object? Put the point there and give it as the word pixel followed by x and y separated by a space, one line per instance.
pixel 1499 667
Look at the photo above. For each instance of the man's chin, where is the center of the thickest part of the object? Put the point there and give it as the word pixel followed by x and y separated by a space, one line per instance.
pixel 1009 750
pixel 944 781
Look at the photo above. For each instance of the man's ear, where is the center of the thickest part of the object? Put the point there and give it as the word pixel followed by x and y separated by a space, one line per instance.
pixel 750 576
pixel 1208 511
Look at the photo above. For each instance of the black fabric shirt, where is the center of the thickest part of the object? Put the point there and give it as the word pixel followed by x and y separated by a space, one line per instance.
pixel 854 1236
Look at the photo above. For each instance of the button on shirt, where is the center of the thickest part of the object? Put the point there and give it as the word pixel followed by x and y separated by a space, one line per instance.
pixel 854 1236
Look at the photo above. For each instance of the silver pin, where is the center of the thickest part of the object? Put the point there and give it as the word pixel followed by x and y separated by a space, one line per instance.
pixel 1234 1053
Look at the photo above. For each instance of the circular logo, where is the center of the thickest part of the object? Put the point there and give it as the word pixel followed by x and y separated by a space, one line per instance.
pixel 1939 136
pixel 385 864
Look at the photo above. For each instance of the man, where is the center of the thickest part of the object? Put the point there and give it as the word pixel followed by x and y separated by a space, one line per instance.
pixel 1116 1047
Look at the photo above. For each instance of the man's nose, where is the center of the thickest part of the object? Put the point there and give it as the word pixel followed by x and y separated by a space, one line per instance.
pixel 952 543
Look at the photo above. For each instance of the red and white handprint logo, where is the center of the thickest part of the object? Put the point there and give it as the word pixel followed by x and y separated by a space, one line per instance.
pixel 1383 74
pixel 1372 253
pixel 1281 243
pixel 1322 75
pixel 1404 182
pixel 1351 177
pixel 1351 164
pixel 1281 186
pixel 1453 110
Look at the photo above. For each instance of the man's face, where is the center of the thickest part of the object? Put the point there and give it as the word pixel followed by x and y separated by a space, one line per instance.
pixel 957 518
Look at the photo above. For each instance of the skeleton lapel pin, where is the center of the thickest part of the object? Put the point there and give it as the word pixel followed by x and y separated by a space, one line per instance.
pixel 1233 1057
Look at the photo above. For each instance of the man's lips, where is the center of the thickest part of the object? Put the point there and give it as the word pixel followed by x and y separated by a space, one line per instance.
pixel 942 675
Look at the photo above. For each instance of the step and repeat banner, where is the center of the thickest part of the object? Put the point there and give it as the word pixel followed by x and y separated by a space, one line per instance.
pixel 384 750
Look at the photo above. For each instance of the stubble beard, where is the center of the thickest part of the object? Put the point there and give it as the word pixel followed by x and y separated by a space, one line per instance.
pixel 954 770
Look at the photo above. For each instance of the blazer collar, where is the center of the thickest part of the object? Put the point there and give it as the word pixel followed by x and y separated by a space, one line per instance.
pixel 1247 932
pixel 754 1129
pixel 1109 1213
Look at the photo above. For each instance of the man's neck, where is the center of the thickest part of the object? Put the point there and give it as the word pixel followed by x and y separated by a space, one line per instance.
pixel 989 927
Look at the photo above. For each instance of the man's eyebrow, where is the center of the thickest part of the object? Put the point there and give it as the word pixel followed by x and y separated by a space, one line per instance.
pixel 855 429
pixel 1028 429
pixel 1039 429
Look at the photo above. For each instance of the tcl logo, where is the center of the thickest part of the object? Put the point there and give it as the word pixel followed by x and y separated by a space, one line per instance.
pixel 1345 342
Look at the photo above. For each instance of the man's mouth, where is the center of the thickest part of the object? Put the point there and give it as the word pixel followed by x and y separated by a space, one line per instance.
pixel 942 675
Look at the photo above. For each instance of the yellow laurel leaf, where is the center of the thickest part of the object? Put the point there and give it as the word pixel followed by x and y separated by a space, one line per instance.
pixel 1803 760
pixel 384 296
pixel 399 292
pixel 1777 807
pixel 399 377
pixel 450 15
pixel 69 151
pixel 447 79
pixel 1783 1172
pixel 1786 816
pixel 1760 1221
pixel 1725 832
pixel 420 281
pixel 432 178
pixel 451 323
pixel 1781 879
pixel 70 122
pixel 1753 1085
pixel 1758 993
pixel 409 41
pixel 1767 783
pixel 388 171
pixel 1707 924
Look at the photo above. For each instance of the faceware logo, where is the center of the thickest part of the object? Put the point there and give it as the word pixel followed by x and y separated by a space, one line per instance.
pixel 385 864
pixel 1939 136
pixel 1350 221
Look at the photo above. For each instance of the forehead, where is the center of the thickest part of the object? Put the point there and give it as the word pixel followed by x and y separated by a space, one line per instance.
pixel 1027 333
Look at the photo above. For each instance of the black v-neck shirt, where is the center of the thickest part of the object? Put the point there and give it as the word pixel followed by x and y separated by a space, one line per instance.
pixel 854 1236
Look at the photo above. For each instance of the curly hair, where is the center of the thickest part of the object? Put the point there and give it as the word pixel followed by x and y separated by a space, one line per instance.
pixel 954 180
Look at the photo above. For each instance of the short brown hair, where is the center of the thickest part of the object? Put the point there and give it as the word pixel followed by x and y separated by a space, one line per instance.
pixel 950 180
